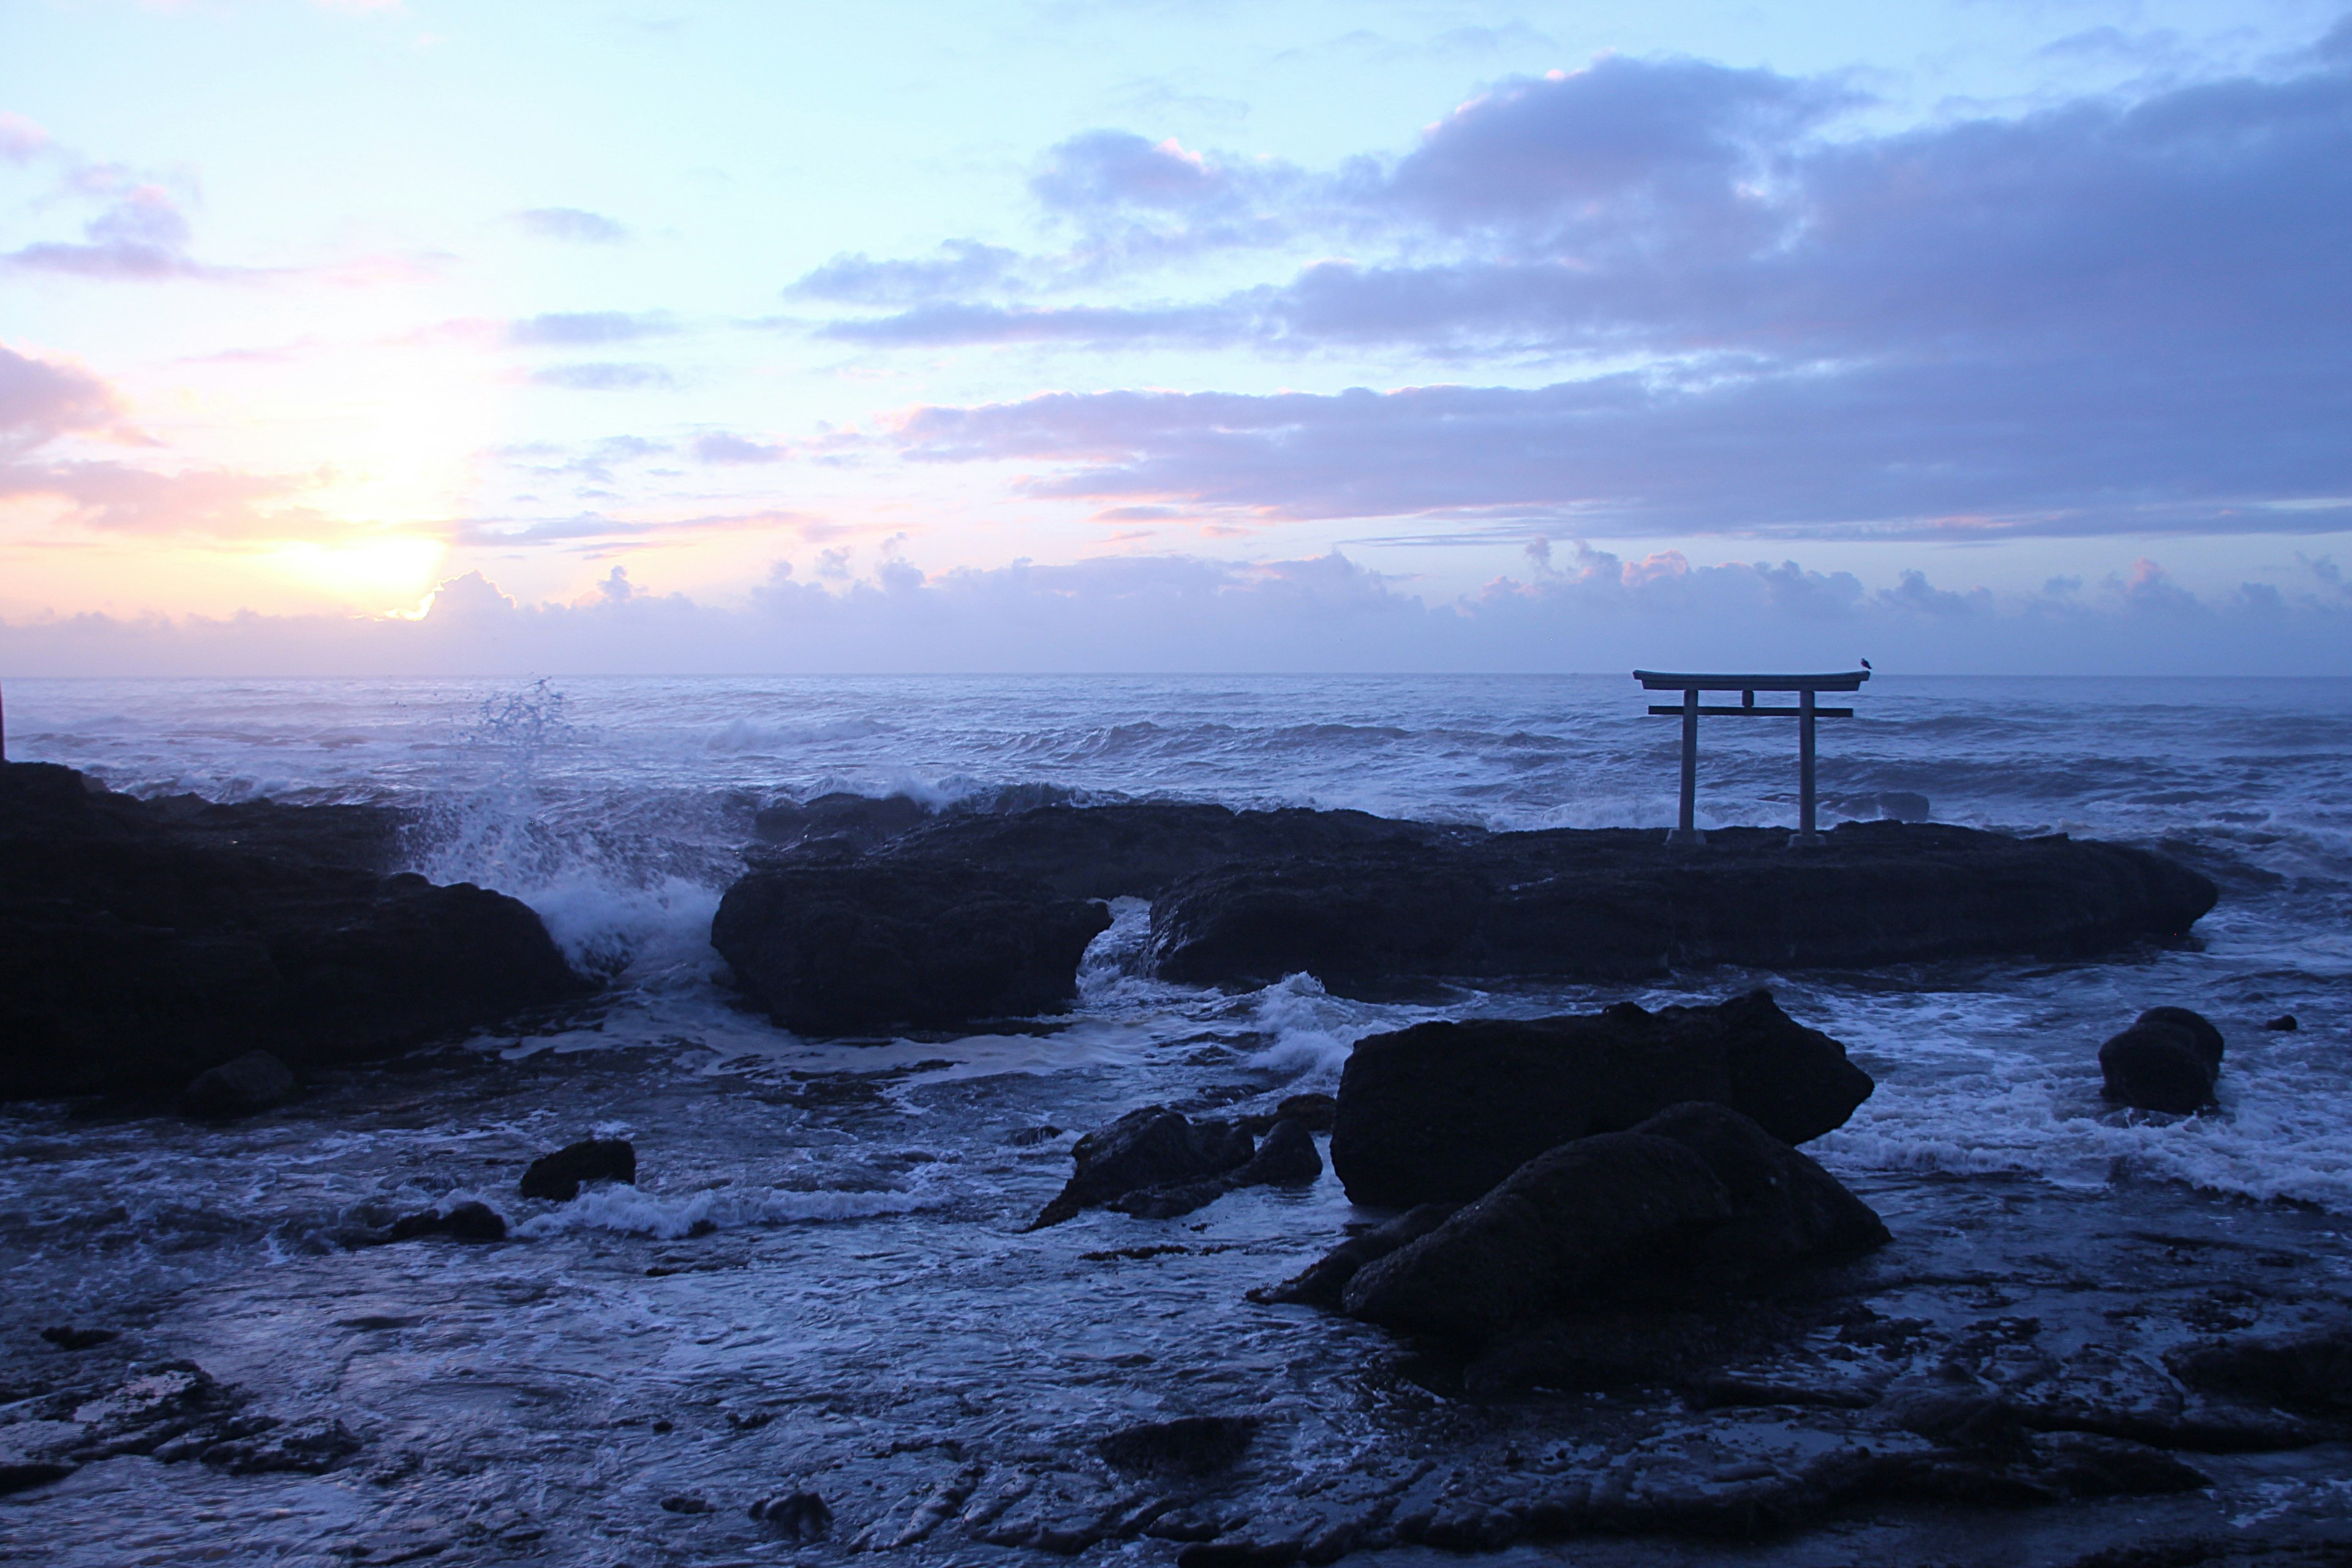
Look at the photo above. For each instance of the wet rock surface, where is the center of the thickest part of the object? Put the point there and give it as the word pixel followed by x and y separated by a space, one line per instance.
pixel 1442 1111
pixel 144 943
pixel 863 930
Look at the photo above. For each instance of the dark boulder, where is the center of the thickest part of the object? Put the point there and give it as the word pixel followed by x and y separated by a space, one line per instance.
pixel 144 942
pixel 2284 1024
pixel 462 1222
pixel 2169 1059
pixel 1151 1148
pixel 560 1176
pixel 1572 1227
pixel 254 1081
pixel 872 944
pixel 1695 1203
pixel 1441 1111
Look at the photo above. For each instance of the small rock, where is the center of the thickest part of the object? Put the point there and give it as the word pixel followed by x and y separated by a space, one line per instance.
pixel 254 1081
pixel 71 1339
pixel 685 1502
pixel 1029 1137
pixel 466 1222
pixel 795 1516
pixel 1287 1159
pixel 1153 1147
pixel 1188 1446
pixel 2284 1024
pixel 2168 1061
pixel 560 1174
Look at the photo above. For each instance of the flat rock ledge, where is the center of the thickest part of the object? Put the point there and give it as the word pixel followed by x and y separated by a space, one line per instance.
pixel 144 942
pixel 964 918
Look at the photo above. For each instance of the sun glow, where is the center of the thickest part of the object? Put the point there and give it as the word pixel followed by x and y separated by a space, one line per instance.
pixel 381 572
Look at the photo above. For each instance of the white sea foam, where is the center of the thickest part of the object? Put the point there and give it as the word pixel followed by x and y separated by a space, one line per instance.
pixel 628 1211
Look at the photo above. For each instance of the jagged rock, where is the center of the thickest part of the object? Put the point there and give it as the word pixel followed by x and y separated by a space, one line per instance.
pixel 1150 1148
pixel 1441 1111
pixel 832 949
pixel 254 1081
pixel 1696 1200
pixel 1188 1446
pixel 2169 1059
pixel 1312 1111
pixel 1322 1283
pixel 464 1222
pixel 144 942
pixel 560 1176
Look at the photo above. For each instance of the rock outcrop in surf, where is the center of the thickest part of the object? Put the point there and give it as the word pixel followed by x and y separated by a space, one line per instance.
pixel 144 942
pixel 974 916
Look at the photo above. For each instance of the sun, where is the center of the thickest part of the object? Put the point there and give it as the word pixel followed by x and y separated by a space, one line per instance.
pixel 379 573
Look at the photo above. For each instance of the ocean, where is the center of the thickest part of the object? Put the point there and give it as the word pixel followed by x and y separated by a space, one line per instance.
pixel 824 1254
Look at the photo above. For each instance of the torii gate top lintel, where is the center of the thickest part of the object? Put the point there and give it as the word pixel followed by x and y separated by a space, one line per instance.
pixel 1805 712
pixel 1659 680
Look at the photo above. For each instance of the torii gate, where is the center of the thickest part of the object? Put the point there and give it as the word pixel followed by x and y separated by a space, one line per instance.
pixel 1748 686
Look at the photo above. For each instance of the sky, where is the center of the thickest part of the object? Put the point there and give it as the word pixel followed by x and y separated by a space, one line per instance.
pixel 366 337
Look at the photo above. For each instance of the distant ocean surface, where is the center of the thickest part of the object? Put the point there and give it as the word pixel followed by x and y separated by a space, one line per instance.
pixel 619 807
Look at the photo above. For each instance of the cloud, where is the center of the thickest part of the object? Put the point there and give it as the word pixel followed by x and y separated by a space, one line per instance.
pixel 1935 451
pixel 140 237
pixel 721 448
pixel 2108 315
pixel 858 279
pixel 589 528
pixel 1321 615
pixel 578 327
pixel 45 401
pixel 572 225
pixel 605 377
pixel 41 400
pixel 1084 324
pixel 20 140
